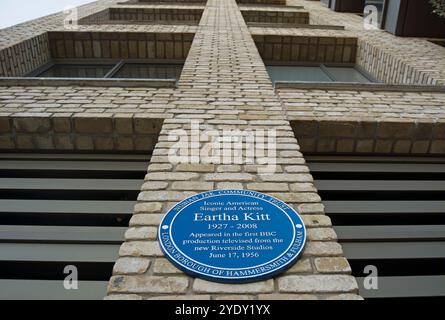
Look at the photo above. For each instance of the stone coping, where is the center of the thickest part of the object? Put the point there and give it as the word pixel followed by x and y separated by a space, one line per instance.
pixel 357 86
pixel 254 6
pixel 289 25
pixel 178 6
pixel 272 8
pixel 126 83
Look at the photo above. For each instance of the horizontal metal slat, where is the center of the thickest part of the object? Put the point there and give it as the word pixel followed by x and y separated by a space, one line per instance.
pixel 390 232
pixel 376 167
pixel 379 185
pixel 62 234
pixel 394 250
pixel 73 165
pixel 70 184
pixel 66 206
pixel 373 159
pixel 405 287
pixel 358 207
pixel 51 290
pixel 58 252
pixel 82 157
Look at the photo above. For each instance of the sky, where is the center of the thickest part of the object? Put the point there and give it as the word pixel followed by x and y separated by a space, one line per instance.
pixel 13 12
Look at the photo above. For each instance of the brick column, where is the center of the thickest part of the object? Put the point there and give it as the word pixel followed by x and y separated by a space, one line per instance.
pixel 225 85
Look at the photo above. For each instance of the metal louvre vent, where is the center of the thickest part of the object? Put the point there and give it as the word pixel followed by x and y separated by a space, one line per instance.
pixel 388 213
pixel 64 209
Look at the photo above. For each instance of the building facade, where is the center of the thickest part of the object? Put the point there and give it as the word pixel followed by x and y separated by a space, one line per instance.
pixel 89 101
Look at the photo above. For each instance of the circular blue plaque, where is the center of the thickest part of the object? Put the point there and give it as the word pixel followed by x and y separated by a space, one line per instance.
pixel 232 236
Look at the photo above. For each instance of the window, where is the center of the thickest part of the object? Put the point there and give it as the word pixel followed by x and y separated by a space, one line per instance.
pixel 118 69
pixel 64 209
pixel 317 73
pixel 148 71
pixel 76 71
pixel 388 212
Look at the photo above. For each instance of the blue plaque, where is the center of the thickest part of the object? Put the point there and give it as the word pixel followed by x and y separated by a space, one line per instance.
pixel 232 236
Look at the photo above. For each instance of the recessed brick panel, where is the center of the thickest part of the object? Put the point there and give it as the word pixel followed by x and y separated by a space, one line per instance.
pixel 307 48
pixel 275 16
pixel 24 57
pixel 140 14
pixel 273 2
pixel 401 137
pixel 112 45
pixel 80 133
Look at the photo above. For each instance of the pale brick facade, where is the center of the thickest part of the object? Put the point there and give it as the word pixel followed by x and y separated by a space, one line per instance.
pixel 224 84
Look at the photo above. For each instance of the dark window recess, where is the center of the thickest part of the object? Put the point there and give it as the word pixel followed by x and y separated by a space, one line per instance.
pixel 119 69
pixel 76 71
pixel 149 71
pixel 317 73
pixel 389 213
pixel 58 210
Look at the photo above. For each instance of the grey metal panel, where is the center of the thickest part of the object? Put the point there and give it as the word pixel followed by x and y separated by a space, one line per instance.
pixel 51 290
pixel 371 160
pixel 379 185
pixel 393 14
pixel 394 250
pixel 59 252
pixel 375 167
pixel 62 234
pixel 82 157
pixel 69 184
pixel 360 207
pixel 74 165
pixel 390 232
pixel 67 206
pixel 404 287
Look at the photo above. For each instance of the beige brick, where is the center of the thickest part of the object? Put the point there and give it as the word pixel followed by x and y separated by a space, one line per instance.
pixel 141 233
pixel 163 266
pixel 175 176
pixel 131 265
pixel 229 177
pixel 202 286
pixel 196 167
pixel 317 284
pixel 127 297
pixel 163 195
pixel 321 234
pixel 147 284
pixel 332 265
pixel 316 221
pixel 192 185
pixel 322 249
pixel 302 266
pixel 146 219
pixel 140 248
pixel 275 296
pixel 93 125
pixel 268 186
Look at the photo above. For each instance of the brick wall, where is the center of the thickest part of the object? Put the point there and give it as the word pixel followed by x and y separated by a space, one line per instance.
pixel 303 48
pixel 87 132
pixel 122 45
pixel 393 59
pixel 143 14
pixel 24 57
pixel 224 85
pixel 275 16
